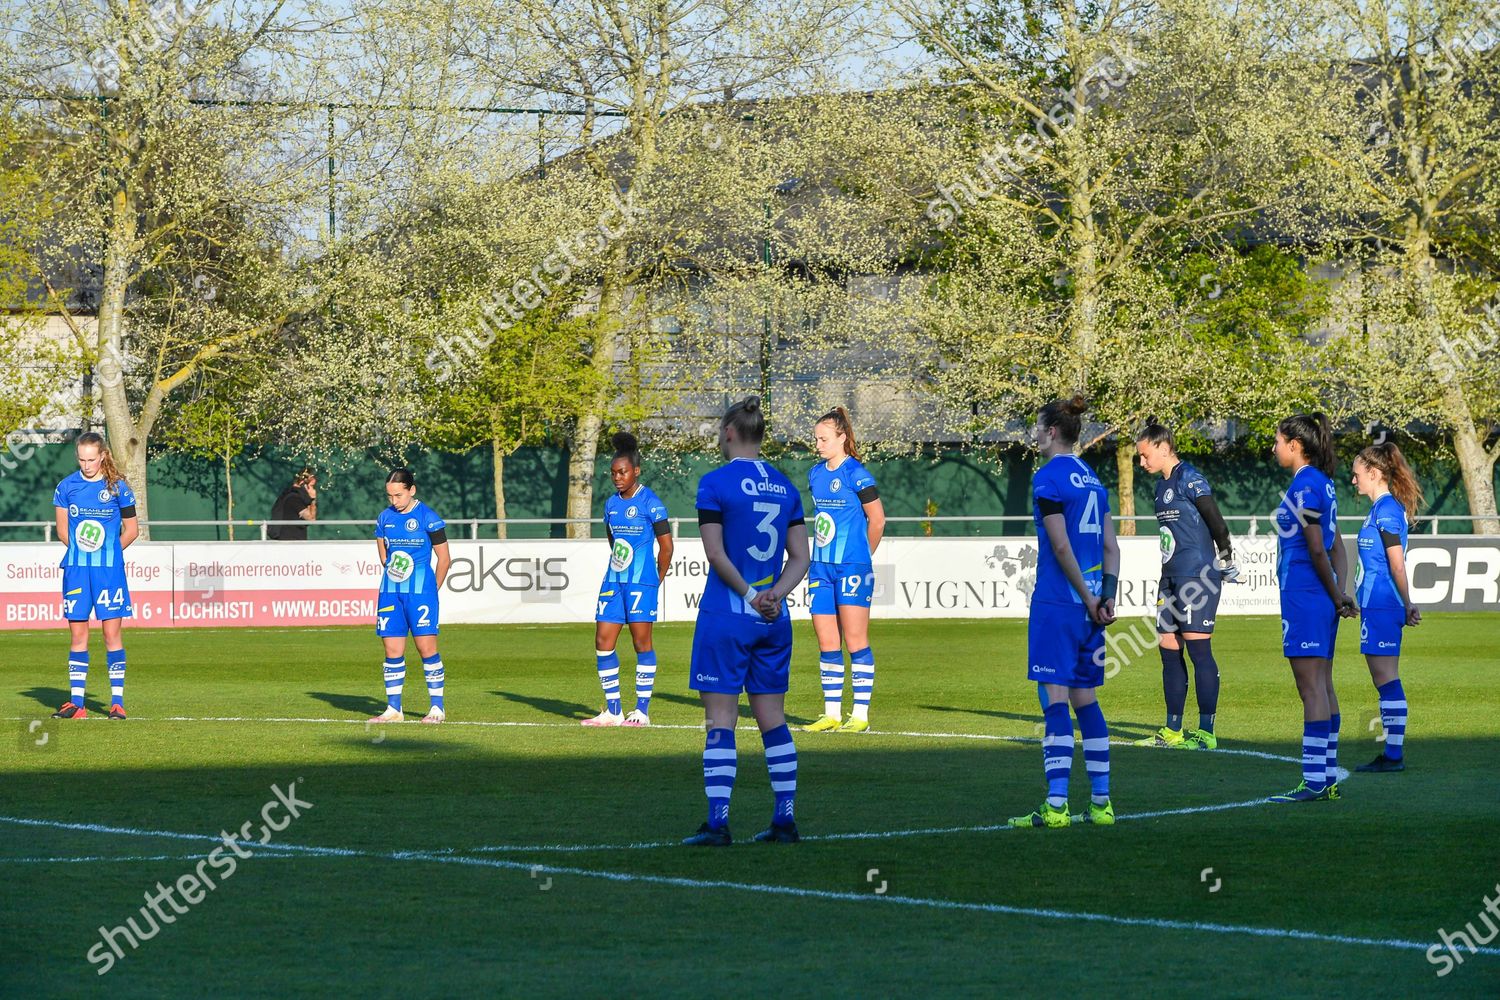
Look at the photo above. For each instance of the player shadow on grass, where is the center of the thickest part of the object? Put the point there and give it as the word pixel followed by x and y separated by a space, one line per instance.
pixel 693 701
pixel 549 706
pixel 51 698
pixel 359 704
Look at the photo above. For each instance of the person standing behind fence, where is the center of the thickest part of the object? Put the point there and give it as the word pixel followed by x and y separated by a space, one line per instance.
pixel 96 522
pixel 635 521
pixel 1385 607
pixel 846 531
pixel 1196 560
pixel 298 502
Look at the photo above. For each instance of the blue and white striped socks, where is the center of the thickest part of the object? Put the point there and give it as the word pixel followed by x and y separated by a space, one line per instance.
pixel 78 674
pixel 720 764
pixel 114 661
pixel 781 762
pixel 1393 717
pixel 862 666
pixel 1331 764
pixel 831 672
pixel 1095 749
pixel 1315 754
pixel 432 667
pixel 1057 752
pixel 395 678
pixel 609 678
pixel 645 680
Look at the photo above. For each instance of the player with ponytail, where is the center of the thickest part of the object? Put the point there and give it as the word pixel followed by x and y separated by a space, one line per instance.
pixel 409 538
pixel 1311 571
pixel 634 520
pixel 846 531
pixel 96 522
pixel 1078 575
pixel 1385 607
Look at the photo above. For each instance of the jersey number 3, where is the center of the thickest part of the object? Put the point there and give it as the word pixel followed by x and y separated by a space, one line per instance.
pixel 767 527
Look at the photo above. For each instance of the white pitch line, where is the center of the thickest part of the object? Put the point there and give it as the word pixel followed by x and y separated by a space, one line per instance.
pixel 928 831
pixel 908 734
pixel 1244 930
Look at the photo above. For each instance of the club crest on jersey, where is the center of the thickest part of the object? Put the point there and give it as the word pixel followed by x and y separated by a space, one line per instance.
pixel 104 495
pixel 72 510
pixel 1166 496
pixel 400 567
pixel 823 528
pixel 411 524
pixel 89 536
pixel 621 555
pixel 835 486
pixel 632 511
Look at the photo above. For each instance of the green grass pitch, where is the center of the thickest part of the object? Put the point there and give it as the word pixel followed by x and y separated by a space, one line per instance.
pixel 393 891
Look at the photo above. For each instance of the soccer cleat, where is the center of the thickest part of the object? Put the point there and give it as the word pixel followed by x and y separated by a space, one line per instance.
pixel 117 712
pixel 778 833
pixel 823 724
pixel 636 719
pixel 1097 815
pixel 71 711
pixel 1047 815
pixel 1163 737
pixel 855 725
pixel 1302 793
pixel 708 836
pixel 605 718
pixel 389 715
pixel 1333 791
pixel 1199 739
pixel 434 716
pixel 1383 765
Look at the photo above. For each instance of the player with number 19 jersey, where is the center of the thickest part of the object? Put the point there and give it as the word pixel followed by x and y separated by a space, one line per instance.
pixel 1063 642
pixel 94 564
pixel 734 648
pixel 631 584
pixel 841 572
pixel 408 598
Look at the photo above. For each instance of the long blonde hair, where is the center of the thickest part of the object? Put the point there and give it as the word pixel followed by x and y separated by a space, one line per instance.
pixel 112 477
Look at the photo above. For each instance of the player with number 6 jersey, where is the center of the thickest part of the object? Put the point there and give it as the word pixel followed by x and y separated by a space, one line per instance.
pixel 755 538
pixel 635 521
pixel 96 522
pixel 409 536
pixel 846 531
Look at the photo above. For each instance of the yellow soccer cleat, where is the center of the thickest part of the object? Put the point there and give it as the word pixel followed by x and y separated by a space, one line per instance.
pixel 823 724
pixel 1053 817
pixel 855 725
pixel 1163 737
pixel 1097 815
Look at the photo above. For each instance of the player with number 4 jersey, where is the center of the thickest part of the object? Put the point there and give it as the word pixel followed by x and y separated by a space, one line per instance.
pixel 409 537
pixel 635 522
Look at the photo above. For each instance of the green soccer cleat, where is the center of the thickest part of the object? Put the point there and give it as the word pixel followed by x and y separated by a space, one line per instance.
pixel 1163 737
pixel 1054 817
pixel 1302 793
pixel 823 724
pixel 1199 739
pixel 1097 815
pixel 1333 791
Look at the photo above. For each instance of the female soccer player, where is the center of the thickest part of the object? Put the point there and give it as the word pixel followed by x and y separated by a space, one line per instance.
pixel 634 519
pixel 1385 607
pixel 408 534
pixel 96 523
pixel 846 532
pixel 749 515
pixel 1196 560
pixel 1311 568
pixel 1077 577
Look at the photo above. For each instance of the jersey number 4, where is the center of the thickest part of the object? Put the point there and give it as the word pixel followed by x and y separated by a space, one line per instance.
pixel 1089 523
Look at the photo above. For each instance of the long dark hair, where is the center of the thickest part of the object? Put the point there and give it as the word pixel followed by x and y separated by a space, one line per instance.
pixel 1315 434
pixel 626 447
pixel 748 421
pixel 1158 434
pixel 1066 416
pixel 404 477
pixel 1388 460
pixel 839 418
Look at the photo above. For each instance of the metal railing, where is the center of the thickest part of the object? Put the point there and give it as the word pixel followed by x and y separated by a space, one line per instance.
pixel 1254 524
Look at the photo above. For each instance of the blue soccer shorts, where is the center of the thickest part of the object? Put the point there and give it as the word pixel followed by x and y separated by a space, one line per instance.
pixel 626 602
pixel 398 614
pixel 97 590
pixel 734 653
pixel 1063 646
pixel 831 586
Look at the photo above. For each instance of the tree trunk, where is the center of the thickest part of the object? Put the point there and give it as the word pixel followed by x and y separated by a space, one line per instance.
pixel 1125 466
pixel 1477 464
pixel 497 452
pixel 585 448
pixel 229 492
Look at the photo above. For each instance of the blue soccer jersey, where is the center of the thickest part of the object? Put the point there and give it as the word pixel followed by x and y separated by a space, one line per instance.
pixel 633 524
pixel 840 528
pixel 1375 587
pixel 1311 493
pixel 408 549
pixel 756 505
pixel 1068 480
pixel 94 515
pixel 1187 548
